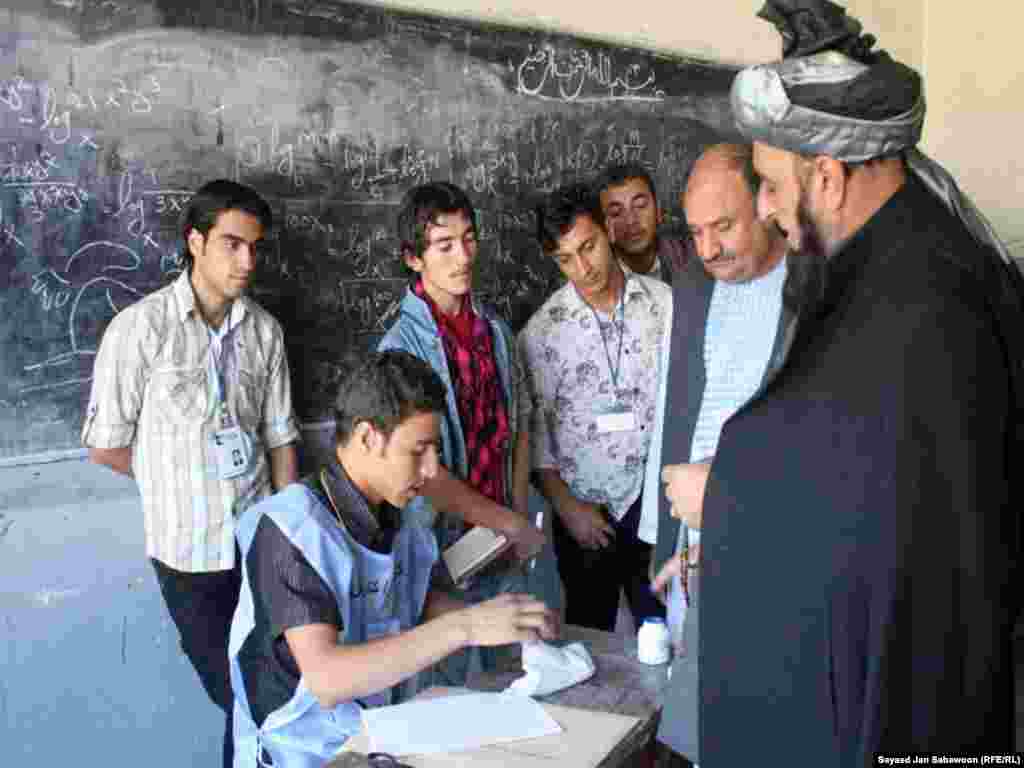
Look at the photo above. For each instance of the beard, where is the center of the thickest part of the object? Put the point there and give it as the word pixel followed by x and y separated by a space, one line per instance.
pixel 807 267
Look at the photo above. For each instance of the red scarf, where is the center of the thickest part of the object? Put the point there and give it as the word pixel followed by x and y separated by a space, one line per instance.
pixel 470 351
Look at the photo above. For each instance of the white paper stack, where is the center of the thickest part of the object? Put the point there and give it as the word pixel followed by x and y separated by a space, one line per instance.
pixel 456 723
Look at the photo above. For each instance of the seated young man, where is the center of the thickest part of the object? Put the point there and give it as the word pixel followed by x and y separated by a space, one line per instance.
pixel 336 607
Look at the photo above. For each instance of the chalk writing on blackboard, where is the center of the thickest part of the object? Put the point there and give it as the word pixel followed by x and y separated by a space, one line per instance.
pixel 110 293
pixel 8 233
pixel 580 76
pixel 372 305
pixel 41 111
pixel 332 111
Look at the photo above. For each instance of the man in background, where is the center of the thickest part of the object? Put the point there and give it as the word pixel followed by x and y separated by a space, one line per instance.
pixel 629 203
pixel 726 321
pixel 191 397
pixel 592 354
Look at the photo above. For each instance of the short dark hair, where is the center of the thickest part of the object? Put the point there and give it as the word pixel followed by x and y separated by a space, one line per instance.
pixel 557 214
pixel 421 206
pixel 620 173
pixel 211 200
pixel 385 389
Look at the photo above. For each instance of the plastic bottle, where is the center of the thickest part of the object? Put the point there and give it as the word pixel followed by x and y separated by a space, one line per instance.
pixel 653 642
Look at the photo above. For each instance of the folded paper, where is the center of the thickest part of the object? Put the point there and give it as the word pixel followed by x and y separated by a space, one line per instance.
pixel 550 668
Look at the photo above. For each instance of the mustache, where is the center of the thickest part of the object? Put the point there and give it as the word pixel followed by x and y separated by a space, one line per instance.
pixel 726 254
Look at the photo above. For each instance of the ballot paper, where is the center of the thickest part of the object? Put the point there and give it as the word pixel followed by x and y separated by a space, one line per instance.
pixel 456 723
pixel 548 668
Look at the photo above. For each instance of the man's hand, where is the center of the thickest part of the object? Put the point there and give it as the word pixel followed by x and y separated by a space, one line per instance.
pixel 509 618
pixel 587 524
pixel 673 567
pixel 118 459
pixel 450 494
pixel 684 489
pixel 527 540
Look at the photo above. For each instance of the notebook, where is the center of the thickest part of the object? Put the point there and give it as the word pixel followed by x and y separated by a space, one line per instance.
pixel 477 549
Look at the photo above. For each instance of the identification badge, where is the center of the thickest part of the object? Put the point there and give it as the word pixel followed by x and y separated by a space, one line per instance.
pixel 231 451
pixel 616 420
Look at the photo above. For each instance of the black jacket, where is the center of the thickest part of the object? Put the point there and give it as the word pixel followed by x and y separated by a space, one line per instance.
pixel 861 521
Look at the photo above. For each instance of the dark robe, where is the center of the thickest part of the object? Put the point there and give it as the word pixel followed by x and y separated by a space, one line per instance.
pixel 860 528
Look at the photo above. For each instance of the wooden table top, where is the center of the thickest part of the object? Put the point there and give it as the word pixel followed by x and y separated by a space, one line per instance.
pixel 621 685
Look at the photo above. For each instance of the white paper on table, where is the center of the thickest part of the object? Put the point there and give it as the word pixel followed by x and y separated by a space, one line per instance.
pixel 456 723
pixel 549 668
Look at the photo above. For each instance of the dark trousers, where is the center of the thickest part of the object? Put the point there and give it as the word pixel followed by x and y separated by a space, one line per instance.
pixel 201 605
pixel 593 578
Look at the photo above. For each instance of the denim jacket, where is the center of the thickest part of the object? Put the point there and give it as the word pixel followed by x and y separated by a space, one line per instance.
pixel 416 332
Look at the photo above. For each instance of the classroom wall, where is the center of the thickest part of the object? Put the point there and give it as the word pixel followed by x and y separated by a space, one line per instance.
pixel 974 99
pixel 975 92
pixel 727 31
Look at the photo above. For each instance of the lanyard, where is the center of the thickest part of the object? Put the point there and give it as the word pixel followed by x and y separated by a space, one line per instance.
pixel 330 497
pixel 614 370
pixel 373 524
pixel 219 367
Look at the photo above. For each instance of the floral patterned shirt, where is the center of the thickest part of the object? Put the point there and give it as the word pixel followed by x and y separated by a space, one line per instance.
pixel 569 352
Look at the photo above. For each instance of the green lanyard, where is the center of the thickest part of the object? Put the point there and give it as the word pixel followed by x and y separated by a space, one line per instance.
pixel 616 369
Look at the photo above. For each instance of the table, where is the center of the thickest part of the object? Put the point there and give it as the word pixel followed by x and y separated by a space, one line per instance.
pixel 621 685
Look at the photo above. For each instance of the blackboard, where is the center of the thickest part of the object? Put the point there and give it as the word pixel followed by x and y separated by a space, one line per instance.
pixel 112 111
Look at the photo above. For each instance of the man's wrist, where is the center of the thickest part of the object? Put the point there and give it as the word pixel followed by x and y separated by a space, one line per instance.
pixel 458 627
pixel 566 508
pixel 510 522
pixel 560 497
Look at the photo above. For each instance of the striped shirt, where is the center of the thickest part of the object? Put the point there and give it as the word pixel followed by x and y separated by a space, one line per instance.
pixel 741 326
pixel 155 389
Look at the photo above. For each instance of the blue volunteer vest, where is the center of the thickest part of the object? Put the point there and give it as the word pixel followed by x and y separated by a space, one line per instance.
pixel 377 595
